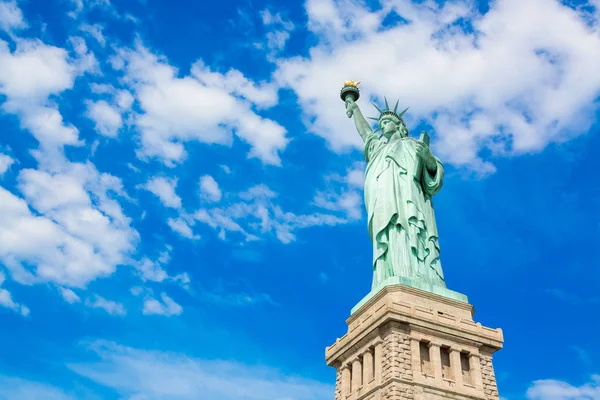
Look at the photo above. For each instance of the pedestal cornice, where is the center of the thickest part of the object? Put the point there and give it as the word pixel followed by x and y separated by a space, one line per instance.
pixel 440 316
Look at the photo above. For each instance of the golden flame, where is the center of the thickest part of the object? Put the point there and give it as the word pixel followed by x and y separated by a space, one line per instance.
pixel 351 83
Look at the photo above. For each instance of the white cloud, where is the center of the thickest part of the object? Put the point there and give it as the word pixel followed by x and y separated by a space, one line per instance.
pixel 94 31
pixel 343 193
pixel 209 188
pixel 278 34
pixel 109 116
pixel 86 60
pixel 46 124
pixel 86 5
pixel 48 191
pixel 143 374
pixel 183 279
pixel 550 389
pixel 167 307
pixel 234 82
pixel 512 86
pixel 164 189
pixel 102 88
pixel 356 175
pixel 69 296
pixel 136 290
pixel 28 76
pixel 182 227
pixel 231 298
pixel 268 18
pixel 7 301
pixel 106 117
pixel 206 107
pixel 111 307
pixel 11 16
pixel 260 191
pixel 124 99
pixel 34 70
pixel 276 40
pixel 71 239
pixel 154 271
pixel 5 163
pixel 117 62
pixel 218 218
pixel 255 213
pixel 17 388
pixel 68 228
pixel 350 202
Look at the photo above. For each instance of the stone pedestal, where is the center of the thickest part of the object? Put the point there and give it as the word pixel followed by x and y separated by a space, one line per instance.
pixel 406 343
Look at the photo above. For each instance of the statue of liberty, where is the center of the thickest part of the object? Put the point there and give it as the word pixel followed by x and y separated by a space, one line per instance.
pixel 401 177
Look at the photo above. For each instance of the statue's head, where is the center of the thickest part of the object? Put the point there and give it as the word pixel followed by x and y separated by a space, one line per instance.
pixel 390 122
pixel 391 125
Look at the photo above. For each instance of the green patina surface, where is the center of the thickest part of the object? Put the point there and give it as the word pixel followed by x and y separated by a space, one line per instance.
pixel 401 178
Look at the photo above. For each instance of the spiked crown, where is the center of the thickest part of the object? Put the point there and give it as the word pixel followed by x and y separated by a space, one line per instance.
pixel 388 112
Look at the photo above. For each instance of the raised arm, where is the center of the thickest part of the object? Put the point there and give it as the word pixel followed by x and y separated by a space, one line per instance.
pixel 362 126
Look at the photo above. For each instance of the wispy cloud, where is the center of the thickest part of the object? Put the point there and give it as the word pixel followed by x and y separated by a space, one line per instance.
pixel 569 297
pixel 154 270
pixel 550 389
pixel 69 295
pixel 182 227
pixel 11 17
pixel 278 33
pixel 255 213
pixel 94 31
pixel 583 355
pixel 17 388
pixel 343 193
pixel 7 301
pixel 166 307
pixel 5 162
pixel 107 118
pixel 164 189
pixel 235 294
pixel 237 299
pixel 209 188
pixel 111 307
pixel 157 375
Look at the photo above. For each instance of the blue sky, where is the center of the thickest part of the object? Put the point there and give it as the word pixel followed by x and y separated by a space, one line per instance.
pixel 181 209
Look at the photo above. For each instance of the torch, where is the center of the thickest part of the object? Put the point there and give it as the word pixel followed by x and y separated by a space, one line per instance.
pixel 350 92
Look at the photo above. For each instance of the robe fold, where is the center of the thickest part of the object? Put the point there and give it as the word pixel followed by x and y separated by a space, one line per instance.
pixel 401 221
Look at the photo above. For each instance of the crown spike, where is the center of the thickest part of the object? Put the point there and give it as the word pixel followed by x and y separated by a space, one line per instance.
pixel 387 107
pixel 402 113
pixel 378 109
pixel 373 118
pixel 396 106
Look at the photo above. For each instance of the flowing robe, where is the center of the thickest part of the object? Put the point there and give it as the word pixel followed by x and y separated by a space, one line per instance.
pixel 401 221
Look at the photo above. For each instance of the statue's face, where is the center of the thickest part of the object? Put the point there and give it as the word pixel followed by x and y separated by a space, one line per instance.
pixel 388 126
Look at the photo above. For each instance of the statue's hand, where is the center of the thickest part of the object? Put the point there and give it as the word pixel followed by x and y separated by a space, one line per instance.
pixel 425 154
pixel 350 107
